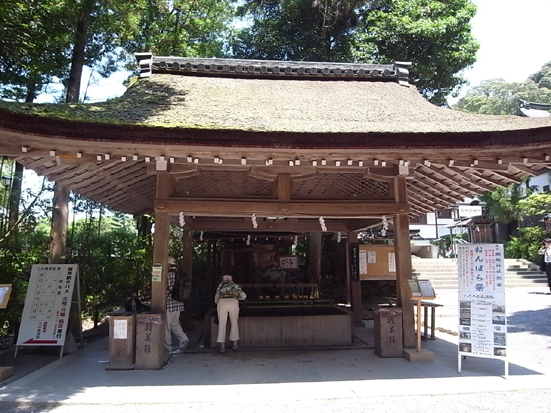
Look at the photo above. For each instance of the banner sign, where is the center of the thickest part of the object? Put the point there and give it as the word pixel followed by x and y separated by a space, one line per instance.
pixel 482 315
pixel 468 211
pixel 47 306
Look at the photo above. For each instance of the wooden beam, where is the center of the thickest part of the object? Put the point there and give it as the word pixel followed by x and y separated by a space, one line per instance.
pixel 460 176
pixel 447 187
pixel 355 290
pixel 523 169
pixel 359 224
pixel 278 225
pixel 419 205
pixel 283 187
pixel 40 162
pixel 428 198
pixel 434 192
pixel 187 267
pixel 276 209
pixel 403 264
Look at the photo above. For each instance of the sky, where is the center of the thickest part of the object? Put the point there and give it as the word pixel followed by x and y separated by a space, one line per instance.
pixel 514 39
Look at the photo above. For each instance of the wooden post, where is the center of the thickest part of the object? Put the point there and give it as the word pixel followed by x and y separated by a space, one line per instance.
pixel 156 352
pixel 403 262
pixel 160 244
pixel 188 269
pixel 353 279
pixel 314 257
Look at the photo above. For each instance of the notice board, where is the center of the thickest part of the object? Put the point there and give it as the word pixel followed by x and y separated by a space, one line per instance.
pixel 482 310
pixel 377 262
pixel 47 305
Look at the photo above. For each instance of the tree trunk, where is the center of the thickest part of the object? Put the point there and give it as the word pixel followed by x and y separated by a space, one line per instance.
pixel 79 47
pixel 31 94
pixel 15 200
pixel 60 223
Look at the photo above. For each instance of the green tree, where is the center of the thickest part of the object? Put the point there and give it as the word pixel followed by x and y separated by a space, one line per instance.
pixel 502 204
pixel 34 41
pixel 434 35
pixel 498 97
pixel 195 28
pixel 297 30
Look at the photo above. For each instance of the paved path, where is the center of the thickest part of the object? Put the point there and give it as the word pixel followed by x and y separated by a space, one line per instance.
pixel 321 381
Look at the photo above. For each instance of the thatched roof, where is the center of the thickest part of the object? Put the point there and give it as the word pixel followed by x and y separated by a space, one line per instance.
pixel 309 106
pixel 312 117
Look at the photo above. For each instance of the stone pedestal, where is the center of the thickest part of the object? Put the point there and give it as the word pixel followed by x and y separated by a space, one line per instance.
pixel 150 341
pixel 412 355
pixel 388 332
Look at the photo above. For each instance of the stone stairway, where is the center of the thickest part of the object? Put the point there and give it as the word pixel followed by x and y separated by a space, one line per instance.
pixel 443 273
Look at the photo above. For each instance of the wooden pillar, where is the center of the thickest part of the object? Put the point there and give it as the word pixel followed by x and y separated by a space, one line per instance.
pixel 403 262
pixel 353 277
pixel 209 270
pixel 314 257
pixel 187 266
pixel 160 244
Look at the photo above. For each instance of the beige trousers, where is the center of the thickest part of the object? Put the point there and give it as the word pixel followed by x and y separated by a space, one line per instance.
pixel 173 326
pixel 228 307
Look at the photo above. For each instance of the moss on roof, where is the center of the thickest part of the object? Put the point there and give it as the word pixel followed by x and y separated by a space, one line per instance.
pixel 268 105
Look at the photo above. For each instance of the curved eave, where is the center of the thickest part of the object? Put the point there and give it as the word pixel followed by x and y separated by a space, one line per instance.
pixel 78 131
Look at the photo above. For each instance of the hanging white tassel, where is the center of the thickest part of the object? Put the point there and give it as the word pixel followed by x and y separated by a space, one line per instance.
pixel 253 219
pixel 248 240
pixel 339 237
pixel 385 226
pixel 182 219
pixel 295 242
pixel 201 236
pixel 322 223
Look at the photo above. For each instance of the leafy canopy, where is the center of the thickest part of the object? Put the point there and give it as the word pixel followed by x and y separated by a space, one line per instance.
pixel 498 97
pixel 434 35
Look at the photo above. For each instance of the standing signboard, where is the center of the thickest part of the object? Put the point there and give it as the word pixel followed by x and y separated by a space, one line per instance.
pixel 482 315
pixel 47 306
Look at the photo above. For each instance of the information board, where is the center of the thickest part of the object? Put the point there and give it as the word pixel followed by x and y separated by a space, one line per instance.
pixel 377 262
pixel 47 305
pixel 482 310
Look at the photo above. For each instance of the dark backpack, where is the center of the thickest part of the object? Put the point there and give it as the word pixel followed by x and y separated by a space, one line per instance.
pixel 182 287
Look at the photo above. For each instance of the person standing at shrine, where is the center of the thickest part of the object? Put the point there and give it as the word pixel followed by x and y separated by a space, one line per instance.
pixel 227 299
pixel 173 310
pixel 545 250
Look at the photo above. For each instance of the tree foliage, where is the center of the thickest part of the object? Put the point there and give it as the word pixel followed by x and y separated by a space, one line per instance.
pixel 298 30
pixel 434 35
pixel 194 28
pixel 498 97
pixel 502 204
pixel 45 40
pixel 34 41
